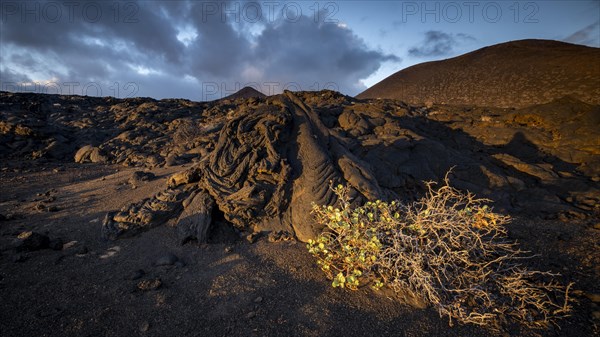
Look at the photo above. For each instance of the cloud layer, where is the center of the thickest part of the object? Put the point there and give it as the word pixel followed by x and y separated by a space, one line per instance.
pixel 589 35
pixel 438 43
pixel 192 49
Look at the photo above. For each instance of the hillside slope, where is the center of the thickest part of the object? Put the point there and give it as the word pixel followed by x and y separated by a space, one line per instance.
pixel 513 74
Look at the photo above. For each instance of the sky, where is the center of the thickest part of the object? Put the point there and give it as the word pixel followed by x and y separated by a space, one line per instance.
pixel 205 50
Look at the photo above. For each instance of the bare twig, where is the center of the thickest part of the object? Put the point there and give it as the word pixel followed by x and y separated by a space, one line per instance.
pixel 448 248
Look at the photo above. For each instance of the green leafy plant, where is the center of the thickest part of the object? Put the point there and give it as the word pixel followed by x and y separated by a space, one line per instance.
pixel 348 252
pixel 449 249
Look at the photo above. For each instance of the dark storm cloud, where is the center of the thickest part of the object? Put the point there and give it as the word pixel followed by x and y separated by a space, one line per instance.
pixel 589 35
pixel 105 41
pixel 89 39
pixel 10 76
pixel 219 51
pixel 306 53
pixel 438 43
pixel 52 25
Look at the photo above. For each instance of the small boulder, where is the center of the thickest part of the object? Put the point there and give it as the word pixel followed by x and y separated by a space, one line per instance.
pixel 278 236
pixel 138 177
pixel 171 160
pixel 168 259
pixel 90 153
pixel 32 241
pixel 251 238
pixel 182 178
pixel 144 326
pixel 59 150
pixel 194 221
pixel 146 285
pixel 82 153
pixel 136 275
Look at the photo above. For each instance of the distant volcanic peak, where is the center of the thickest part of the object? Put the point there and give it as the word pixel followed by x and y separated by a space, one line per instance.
pixel 511 74
pixel 246 92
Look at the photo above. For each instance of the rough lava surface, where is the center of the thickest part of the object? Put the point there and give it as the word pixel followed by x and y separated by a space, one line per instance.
pixel 260 163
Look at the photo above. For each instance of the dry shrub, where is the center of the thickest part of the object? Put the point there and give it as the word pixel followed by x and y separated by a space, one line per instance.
pixel 449 248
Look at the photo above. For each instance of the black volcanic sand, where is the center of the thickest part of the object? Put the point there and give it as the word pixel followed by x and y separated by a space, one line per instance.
pixel 227 287
pixel 156 174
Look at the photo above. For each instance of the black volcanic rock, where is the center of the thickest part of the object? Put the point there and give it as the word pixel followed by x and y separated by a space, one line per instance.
pixel 270 161
pixel 32 241
pixel 259 164
pixel 512 74
pixel 91 154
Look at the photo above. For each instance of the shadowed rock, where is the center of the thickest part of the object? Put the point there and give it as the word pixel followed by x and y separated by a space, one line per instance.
pixel 267 168
pixel 90 153
pixel 196 218
pixel 270 162
pixel 144 214
pixel 261 163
